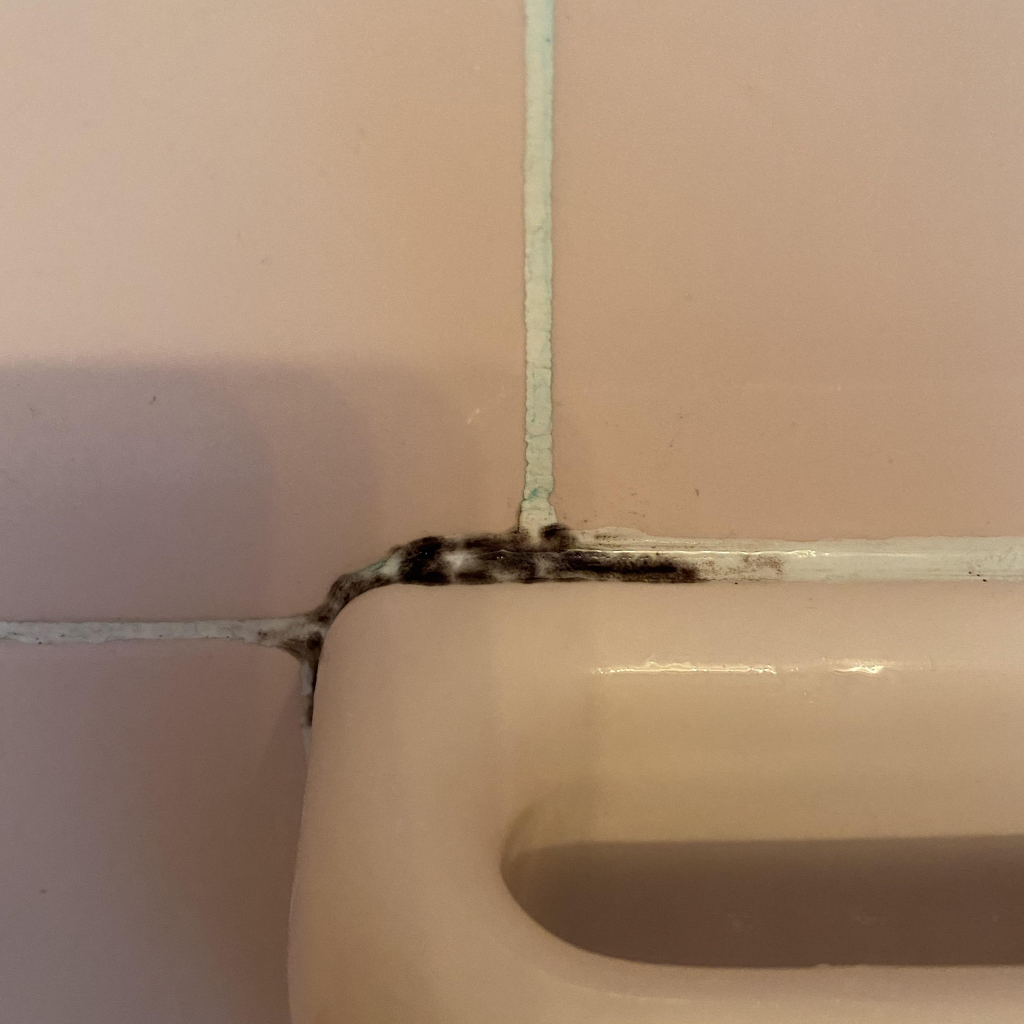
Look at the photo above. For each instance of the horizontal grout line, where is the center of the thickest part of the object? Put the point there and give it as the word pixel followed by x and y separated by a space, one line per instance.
pixel 557 554
pixel 905 559
pixel 264 632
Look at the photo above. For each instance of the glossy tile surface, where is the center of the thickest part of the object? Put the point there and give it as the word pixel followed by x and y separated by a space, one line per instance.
pixel 260 287
pixel 151 798
pixel 788 246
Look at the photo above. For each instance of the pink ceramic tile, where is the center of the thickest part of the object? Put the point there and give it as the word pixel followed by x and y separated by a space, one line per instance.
pixel 260 295
pixel 151 804
pixel 788 252
pixel 652 739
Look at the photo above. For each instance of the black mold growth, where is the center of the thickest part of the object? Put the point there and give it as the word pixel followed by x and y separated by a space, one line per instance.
pixel 514 557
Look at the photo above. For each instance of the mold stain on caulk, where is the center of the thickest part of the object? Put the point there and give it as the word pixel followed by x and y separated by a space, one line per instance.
pixel 553 555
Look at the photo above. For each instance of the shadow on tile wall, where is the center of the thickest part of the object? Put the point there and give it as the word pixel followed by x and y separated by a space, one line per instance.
pixel 231 491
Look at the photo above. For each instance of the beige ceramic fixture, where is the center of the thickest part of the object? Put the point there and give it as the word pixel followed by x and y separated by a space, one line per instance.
pixel 705 804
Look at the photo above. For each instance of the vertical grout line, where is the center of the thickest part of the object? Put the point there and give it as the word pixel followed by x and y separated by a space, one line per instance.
pixel 536 510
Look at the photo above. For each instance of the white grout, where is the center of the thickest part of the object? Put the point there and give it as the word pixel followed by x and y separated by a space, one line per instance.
pixel 536 510
pixel 900 559
pixel 265 632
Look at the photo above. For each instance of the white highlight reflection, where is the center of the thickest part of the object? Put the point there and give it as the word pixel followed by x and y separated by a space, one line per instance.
pixel 850 665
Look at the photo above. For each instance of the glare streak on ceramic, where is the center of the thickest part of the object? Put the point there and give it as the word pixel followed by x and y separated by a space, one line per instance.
pixel 666 805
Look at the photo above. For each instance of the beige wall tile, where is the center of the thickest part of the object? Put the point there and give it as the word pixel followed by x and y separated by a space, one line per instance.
pixel 260 296
pixel 151 804
pixel 788 252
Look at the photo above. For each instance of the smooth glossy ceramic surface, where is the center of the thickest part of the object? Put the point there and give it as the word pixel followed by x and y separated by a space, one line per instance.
pixel 788 247
pixel 261 294
pixel 614 802
pixel 150 805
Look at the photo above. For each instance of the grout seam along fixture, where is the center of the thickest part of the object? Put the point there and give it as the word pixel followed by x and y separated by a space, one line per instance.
pixel 556 553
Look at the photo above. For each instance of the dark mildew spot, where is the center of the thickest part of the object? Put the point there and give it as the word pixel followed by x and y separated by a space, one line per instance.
pixel 764 562
pixel 553 556
pixel 626 566
pixel 491 542
pixel 557 537
pixel 306 648
pixel 422 562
